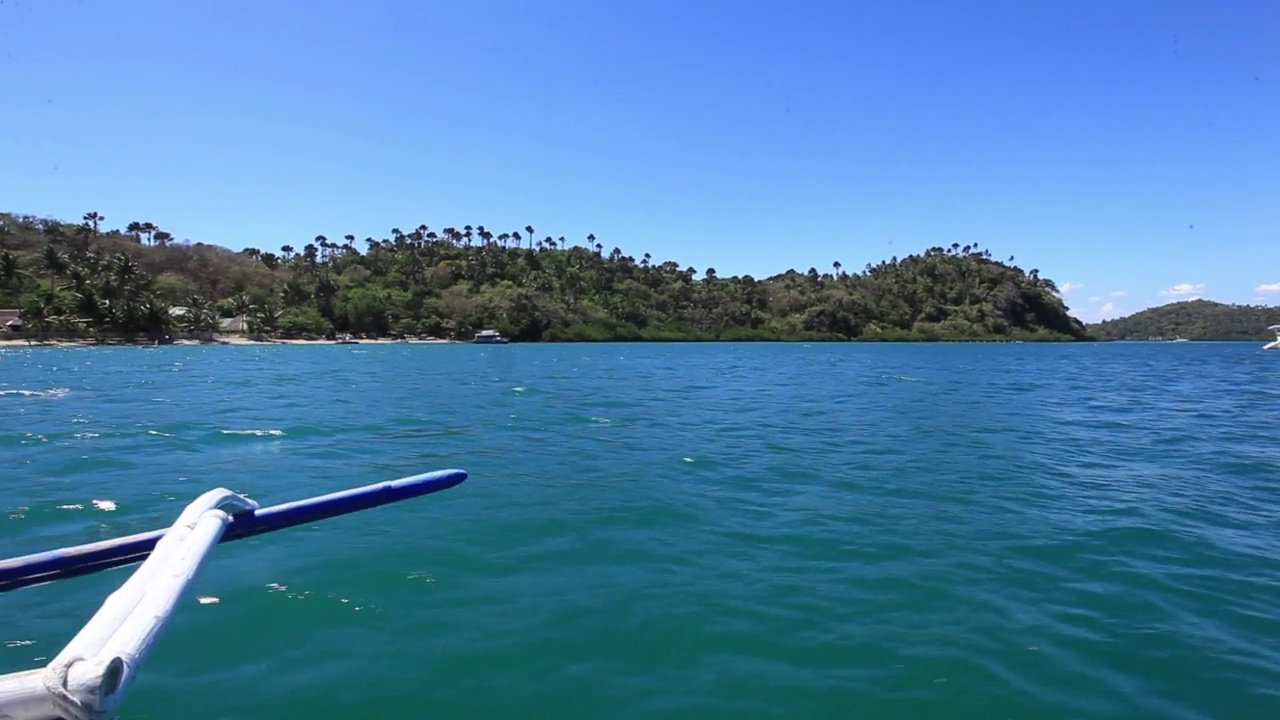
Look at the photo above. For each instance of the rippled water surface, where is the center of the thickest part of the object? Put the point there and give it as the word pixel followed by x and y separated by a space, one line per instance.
pixel 676 531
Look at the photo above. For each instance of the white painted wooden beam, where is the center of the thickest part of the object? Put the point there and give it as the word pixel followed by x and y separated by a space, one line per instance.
pixel 88 678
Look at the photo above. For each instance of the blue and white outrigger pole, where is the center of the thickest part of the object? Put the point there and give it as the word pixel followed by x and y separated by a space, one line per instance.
pixel 87 680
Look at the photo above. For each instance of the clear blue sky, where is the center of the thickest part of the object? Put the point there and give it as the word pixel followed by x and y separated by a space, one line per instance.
pixel 1118 146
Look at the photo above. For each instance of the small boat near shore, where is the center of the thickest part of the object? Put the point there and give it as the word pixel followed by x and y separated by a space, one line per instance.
pixel 346 339
pixel 1274 344
pixel 489 337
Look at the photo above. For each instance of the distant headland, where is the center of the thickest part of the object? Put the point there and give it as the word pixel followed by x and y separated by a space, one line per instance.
pixel 83 282
pixel 1192 320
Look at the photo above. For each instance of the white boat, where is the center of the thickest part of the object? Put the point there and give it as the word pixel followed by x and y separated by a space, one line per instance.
pixel 489 337
pixel 1274 344
pixel 346 339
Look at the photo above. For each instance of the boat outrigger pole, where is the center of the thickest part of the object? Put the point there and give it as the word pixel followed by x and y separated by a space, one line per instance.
pixel 87 679
pixel 106 554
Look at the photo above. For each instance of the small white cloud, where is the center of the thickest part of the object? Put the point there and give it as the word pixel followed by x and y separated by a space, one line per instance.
pixel 1107 311
pixel 1183 289
pixel 1268 288
pixel 1094 298
pixel 1119 293
pixel 1069 287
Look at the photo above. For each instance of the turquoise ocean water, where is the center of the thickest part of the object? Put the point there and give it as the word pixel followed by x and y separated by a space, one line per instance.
pixel 676 531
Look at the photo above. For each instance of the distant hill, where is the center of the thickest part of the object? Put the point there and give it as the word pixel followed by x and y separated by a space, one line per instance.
pixel 1193 320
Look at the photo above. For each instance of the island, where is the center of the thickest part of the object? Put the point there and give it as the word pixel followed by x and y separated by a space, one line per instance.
pixel 80 279
pixel 1192 320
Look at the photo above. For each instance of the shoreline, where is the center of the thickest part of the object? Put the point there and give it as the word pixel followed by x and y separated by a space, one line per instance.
pixel 229 340
pixel 245 341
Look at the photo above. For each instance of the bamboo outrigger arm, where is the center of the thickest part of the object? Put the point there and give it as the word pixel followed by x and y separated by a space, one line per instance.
pixel 88 678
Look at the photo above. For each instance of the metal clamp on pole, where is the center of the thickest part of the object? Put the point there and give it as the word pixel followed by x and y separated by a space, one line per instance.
pixel 87 680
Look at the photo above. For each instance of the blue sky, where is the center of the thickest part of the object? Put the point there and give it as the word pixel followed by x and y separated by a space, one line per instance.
pixel 1120 147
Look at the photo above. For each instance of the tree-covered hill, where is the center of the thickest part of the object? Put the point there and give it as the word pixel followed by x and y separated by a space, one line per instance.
pixel 1192 320
pixel 70 277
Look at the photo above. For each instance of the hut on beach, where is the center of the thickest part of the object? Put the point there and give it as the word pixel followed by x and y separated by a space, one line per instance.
pixel 10 320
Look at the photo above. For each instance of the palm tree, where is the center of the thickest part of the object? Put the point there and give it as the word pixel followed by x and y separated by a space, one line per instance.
pixel 38 311
pixel 200 317
pixel 294 294
pixel 89 307
pixel 240 304
pixel 125 269
pixel 12 274
pixel 528 229
pixel 55 262
pixel 84 237
pixel 263 319
pixel 94 220
pixel 155 316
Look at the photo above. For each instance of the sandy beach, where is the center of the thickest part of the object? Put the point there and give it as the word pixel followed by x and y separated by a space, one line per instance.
pixel 221 340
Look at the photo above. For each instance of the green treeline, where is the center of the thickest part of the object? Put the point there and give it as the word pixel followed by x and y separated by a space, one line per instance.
pixel 77 278
pixel 1192 320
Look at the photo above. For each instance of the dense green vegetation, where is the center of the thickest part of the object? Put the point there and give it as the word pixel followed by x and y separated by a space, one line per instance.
pixel 1192 320
pixel 82 278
